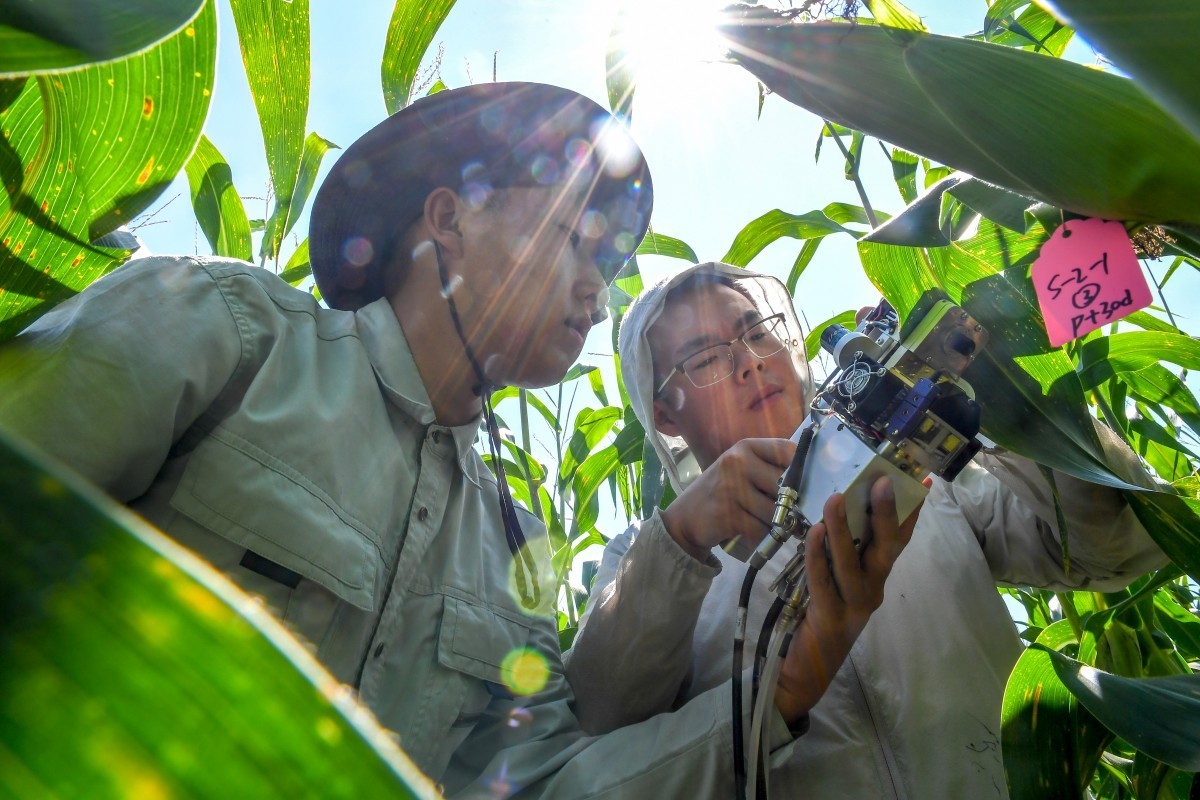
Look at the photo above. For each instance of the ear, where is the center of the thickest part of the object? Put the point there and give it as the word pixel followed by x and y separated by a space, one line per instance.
pixel 664 419
pixel 442 215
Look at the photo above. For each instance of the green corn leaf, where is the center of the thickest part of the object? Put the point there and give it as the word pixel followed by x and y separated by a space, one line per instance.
pixel 629 442
pixel 298 267
pixel 895 14
pixel 218 207
pixel 654 480
pixel 1155 383
pixel 1150 41
pixel 274 39
pixel 84 152
pixel 414 24
pixel 777 224
pixel 1158 716
pixel 1163 452
pixel 129 666
pixel 999 13
pixel 656 244
pixel 619 67
pixel 1105 356
pixel 812 342
pixel 1051 744
pixel 1149 322
pixel 68 34
pixel 1181 625
pixel 1084 140
pixel 803 259
pixel 924 223
pixel 1033 29
pixel 904 171
pixel 315 149
pixel 589 477
pixel 591 426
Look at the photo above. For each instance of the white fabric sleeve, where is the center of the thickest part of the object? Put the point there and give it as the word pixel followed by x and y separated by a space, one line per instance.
pixel 634 646
pixel 1010 507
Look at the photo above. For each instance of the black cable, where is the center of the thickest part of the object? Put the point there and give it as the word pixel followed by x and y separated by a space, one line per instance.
pixel 739 644
pixel 761 651
pixel 522 558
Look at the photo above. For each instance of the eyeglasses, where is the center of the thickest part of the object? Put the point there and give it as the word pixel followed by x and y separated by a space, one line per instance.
pixel 714 363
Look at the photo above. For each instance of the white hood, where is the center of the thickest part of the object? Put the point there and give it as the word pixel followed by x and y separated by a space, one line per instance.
pixel 768 294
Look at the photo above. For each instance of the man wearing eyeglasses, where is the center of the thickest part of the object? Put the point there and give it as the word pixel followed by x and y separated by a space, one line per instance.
pixel 881 695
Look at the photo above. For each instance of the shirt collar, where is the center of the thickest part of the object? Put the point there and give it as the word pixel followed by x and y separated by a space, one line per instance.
pixel 397 373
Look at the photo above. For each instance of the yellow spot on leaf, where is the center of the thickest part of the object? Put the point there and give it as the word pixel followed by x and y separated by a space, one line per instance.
pixel 77 260
pixel 190 32
pixel 45 205
pixel 20 246
pixel 145 174
pixel 147 106
pixel 206 92
pixel 111 82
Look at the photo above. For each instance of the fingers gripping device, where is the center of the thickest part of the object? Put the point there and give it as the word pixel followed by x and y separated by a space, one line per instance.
pixel 894 405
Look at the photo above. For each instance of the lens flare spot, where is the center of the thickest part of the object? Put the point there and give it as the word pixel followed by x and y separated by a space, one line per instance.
pixel 618 152
pixel 525 671
pixel 519 716
pixel 625 242
pixel 358 251
pixel 593 224
pixel 329 731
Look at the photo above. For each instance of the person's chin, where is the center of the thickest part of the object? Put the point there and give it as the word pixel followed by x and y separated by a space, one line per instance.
pixel 543 369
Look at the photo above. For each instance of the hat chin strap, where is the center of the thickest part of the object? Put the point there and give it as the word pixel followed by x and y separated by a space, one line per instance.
pixel 522 558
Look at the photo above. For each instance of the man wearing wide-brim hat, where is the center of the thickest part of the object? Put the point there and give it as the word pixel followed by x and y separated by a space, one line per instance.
pixel 322 457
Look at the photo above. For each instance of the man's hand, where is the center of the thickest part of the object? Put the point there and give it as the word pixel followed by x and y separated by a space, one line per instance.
pixel 734 496
pixel 842 599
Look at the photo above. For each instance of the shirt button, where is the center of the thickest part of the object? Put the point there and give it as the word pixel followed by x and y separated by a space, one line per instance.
pixel 422 513
pixel 379 650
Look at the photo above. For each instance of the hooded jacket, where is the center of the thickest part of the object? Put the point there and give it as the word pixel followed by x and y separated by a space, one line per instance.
pixel 914 711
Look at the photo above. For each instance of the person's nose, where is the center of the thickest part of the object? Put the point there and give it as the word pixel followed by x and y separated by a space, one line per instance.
pixel 745 362
pixel 590 288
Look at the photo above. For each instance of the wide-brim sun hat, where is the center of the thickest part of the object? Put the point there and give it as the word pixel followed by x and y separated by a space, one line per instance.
pixel 473 140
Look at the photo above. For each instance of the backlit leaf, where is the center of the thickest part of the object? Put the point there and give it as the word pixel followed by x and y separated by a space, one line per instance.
pixel 274 39
pixel 414 24
pixel 67 34
pixel 1084 140
pixel 188 686
pixel 1158 716
pixel 215 200
pixel 84 152
pixel 1150 41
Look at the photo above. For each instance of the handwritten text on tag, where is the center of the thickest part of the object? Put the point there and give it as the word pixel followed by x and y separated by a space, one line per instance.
pixel 1086 277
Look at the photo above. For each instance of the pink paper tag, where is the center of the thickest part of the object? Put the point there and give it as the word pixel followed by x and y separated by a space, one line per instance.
pixel 1086 277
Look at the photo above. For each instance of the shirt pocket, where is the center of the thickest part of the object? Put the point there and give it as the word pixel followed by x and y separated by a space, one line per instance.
pixel 479 648
pixel 285 525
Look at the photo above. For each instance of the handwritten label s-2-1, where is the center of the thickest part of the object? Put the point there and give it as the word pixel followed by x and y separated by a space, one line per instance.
pixel 1086 277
